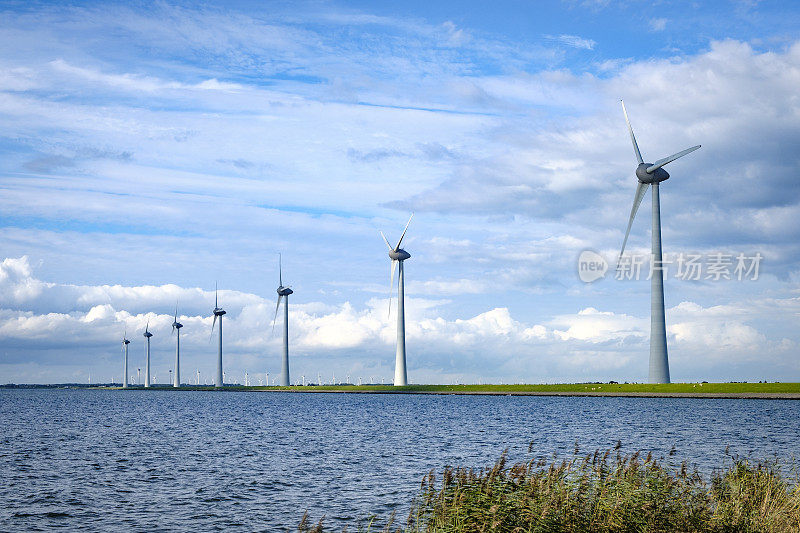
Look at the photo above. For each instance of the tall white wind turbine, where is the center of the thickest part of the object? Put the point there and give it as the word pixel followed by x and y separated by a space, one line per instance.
pixel 218 312
pixel 176 327
pixel 125 343
pixel 283 292
pixel 653 174
pixel 147 336
pixel 398 255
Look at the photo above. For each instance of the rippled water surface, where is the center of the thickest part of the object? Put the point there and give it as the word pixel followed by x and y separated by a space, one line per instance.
pixel 165 460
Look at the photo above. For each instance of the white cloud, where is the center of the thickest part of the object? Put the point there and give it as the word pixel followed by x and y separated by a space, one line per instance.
pixel 130 82
pixel 573 41
pixel 658 24
pixel 597 326
pixel 591 342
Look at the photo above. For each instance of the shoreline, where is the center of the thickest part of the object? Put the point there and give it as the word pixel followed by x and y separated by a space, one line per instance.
pixel 695 395
pixel 761 391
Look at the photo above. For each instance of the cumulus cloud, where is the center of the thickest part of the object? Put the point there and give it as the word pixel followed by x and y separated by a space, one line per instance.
pixel 591 343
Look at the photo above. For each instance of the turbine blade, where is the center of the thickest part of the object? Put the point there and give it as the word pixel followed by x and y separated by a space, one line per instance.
pixel 404 233
pixel 661 162
pixel 391 285
pixel 633 138
pixel 214 323
pixel 637 200
pixel 275 318
pixel 387 242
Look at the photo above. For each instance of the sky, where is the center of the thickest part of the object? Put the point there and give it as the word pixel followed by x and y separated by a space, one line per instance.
pixel 149 151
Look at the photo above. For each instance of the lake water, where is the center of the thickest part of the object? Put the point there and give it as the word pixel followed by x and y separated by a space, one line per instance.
pixel 177 461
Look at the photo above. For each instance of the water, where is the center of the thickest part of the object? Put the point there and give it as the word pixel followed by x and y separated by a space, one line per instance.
pixel 164 460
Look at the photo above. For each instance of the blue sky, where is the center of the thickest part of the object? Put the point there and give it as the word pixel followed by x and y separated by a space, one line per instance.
pixel 151 149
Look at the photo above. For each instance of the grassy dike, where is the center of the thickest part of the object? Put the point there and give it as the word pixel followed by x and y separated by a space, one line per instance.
pixel 601 492
pixel 700 390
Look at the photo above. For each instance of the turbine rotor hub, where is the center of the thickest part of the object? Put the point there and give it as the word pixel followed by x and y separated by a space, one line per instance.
pixel 658 175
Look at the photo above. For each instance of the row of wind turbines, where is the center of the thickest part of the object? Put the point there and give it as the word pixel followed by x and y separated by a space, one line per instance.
pixel 647 174
pixel 396 254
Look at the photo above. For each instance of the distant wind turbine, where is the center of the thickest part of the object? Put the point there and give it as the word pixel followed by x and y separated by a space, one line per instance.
pixel 283 292
pixel 147 336
pixel 653 174
pixel 398 255
pixel 218 312
pixel 125 343
pixel 176 327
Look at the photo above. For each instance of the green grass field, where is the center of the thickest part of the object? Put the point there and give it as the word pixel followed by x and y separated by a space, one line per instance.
pixel 597 388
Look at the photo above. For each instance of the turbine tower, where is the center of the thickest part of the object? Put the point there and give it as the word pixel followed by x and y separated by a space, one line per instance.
pixel 653 174
pixel 218 312
pixel 283 292
pixel 147 336
pixel 176 326
pixel 125 343
pixel 398 255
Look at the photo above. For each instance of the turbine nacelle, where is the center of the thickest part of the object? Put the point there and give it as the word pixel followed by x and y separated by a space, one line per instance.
pixel 656 176
pixel 219 311
pixel 147 334
pixel 176 325
pixel 126 341
pixel 398 254
pixel 284 291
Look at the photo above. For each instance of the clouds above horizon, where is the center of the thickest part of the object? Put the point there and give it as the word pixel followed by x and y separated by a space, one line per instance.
pixel 88 322
pixel 185 145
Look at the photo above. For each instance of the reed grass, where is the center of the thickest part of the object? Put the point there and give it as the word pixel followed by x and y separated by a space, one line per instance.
pixel 604 492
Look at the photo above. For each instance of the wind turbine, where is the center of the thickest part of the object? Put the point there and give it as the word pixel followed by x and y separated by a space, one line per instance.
pixel 147 336
pixel 398 255
pixel 283 292
pixel 176 326
pixel 653 174
pixel 218 312
pixel 125 343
